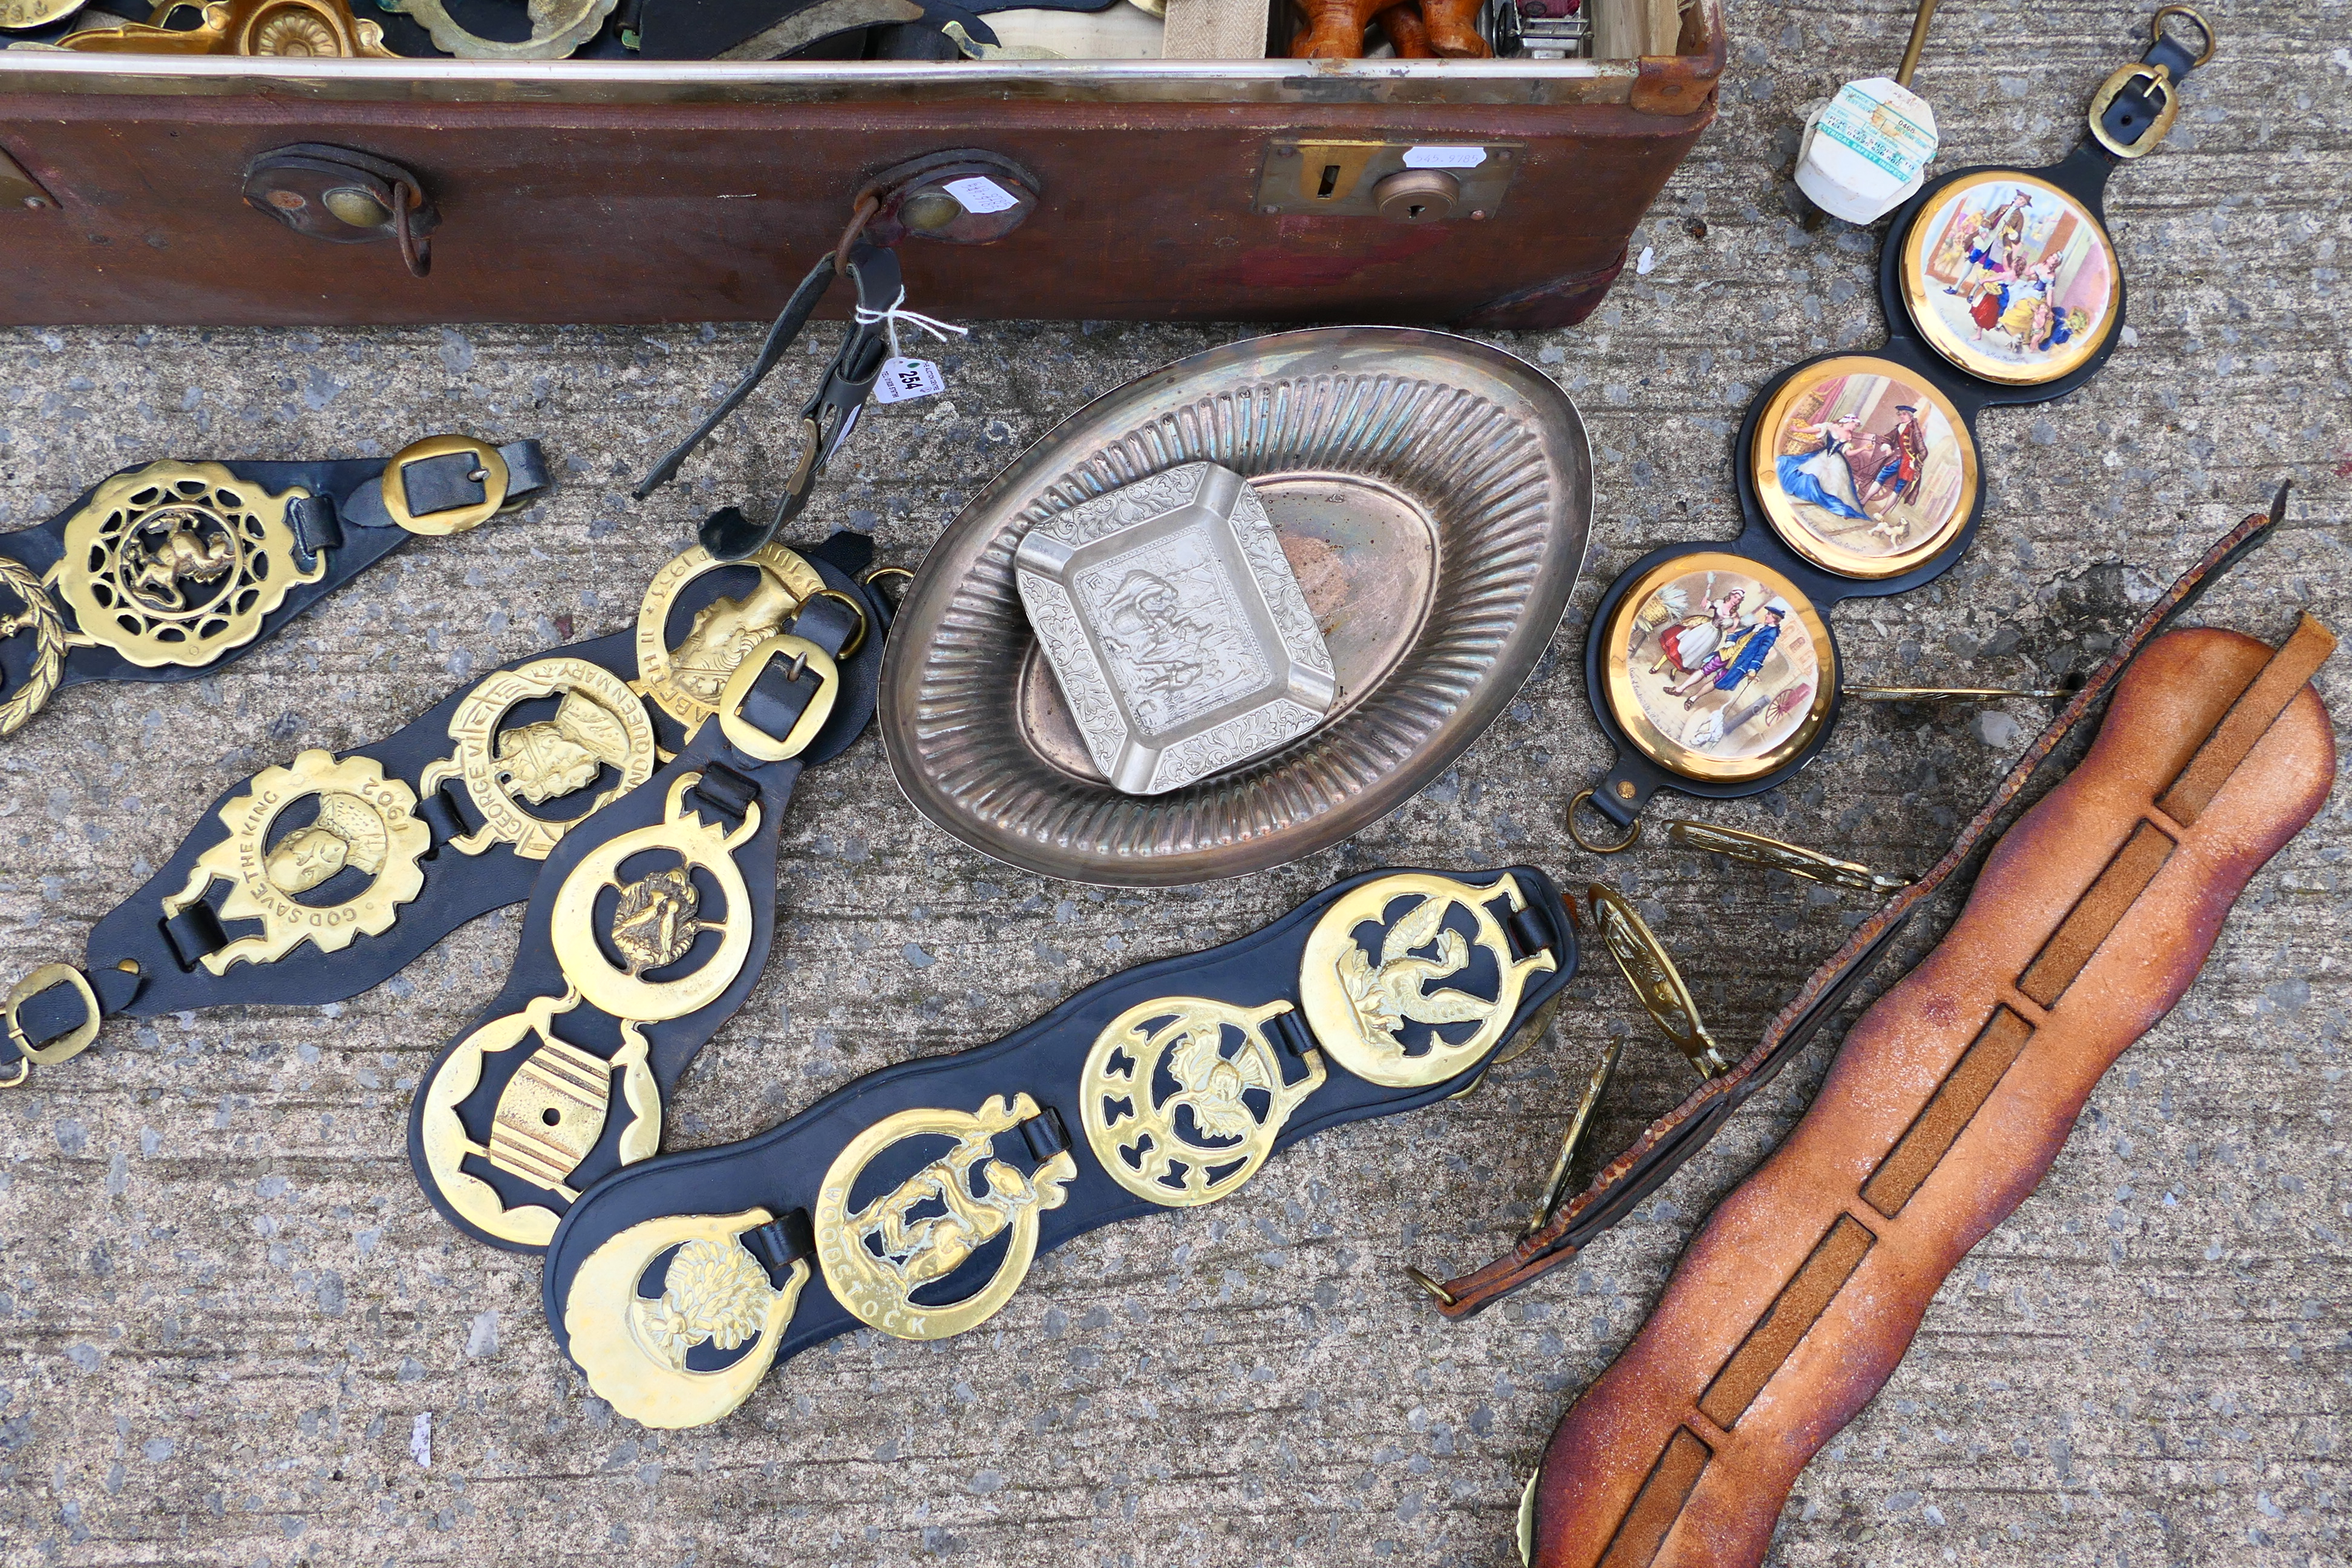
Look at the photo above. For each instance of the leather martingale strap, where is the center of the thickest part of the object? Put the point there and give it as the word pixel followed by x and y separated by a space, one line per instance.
pixel 912 1200
pixel 649 923
pixel 313 880
pixel 1682 1132
pixel 168 571
pixel 2049 1022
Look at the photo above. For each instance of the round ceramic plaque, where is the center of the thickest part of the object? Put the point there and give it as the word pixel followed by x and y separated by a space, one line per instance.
pixel 1718 669
pixel 2010 277
pixel 1864 467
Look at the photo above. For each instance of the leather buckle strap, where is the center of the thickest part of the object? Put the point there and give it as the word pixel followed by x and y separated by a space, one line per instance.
pixel 52 1014
pixel 445 484
pixel 779 698
pixel 2133 109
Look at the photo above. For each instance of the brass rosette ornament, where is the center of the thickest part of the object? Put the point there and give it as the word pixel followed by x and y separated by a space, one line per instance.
pixel 1714 668
pixel 312 880
pixel 914 1201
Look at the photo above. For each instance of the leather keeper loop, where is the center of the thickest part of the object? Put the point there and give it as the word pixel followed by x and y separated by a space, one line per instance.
pixel 727 790
pixel 195 933
pixel 782 1242
pixel 1044 1135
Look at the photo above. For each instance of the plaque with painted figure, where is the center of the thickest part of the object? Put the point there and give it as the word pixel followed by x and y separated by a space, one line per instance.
pixel 1175 627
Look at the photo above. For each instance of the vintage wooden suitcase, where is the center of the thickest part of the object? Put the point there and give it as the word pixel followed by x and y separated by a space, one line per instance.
pixel 588 191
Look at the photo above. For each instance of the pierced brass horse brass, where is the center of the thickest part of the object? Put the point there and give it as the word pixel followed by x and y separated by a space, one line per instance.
pixel 1364 1011
pixel 364 822
pixel 633 1349
pixel 176 564
pixel 686 682
pixel 1210 1136
pixel 877 1256
pixel 598 724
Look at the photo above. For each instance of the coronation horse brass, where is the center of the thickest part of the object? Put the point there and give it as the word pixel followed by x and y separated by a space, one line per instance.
pixel 1398 179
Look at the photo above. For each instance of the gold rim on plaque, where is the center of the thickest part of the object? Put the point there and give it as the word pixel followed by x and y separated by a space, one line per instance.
pixel 1782 513
pixel 1933 331
pixel 1626 705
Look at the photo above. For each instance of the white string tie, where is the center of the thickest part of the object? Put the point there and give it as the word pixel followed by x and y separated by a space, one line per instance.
pixel 896 313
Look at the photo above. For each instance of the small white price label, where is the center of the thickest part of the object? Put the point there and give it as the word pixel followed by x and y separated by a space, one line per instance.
pixel 1445 157
pixel 905 380
pixel 979 193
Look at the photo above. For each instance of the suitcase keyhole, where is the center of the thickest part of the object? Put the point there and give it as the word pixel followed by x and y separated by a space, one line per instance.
pixel 1330 180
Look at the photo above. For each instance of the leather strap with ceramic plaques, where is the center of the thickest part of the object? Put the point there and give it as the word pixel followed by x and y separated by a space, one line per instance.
pixel 1944 1106
pixel 913 1200
pixel 168 571
pixel 313 880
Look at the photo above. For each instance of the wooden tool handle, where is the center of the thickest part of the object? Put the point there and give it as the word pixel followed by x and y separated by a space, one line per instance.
pixel 1947 1102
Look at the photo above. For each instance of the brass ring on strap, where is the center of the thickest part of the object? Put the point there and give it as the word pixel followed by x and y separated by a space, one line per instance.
pixel 2195 18
pixel 1632 836
pixel 874 575
pixel 857 640
pixel 70 1043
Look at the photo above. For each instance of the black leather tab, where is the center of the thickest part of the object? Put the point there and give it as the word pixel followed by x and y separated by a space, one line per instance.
pixel 195 933
pixel 526 469
pixel 828 623
pixel 1044 1135
pixel 1529 931
pixel 727 790
pixel 440 813
pixel 782 1241
pixel 446 483
pixel 777 698
pixel 315 526
pixel 51 1015
pixel 1290 1032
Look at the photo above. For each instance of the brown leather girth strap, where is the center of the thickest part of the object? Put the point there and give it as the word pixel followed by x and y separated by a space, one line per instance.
pixel 2252 714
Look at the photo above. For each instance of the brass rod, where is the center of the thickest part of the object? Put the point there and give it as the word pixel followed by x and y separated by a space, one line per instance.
pixel 1919 41
pixel 1970 693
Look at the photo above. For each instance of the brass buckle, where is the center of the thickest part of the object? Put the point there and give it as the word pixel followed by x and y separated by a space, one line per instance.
pixel 808 658
pixel 73 1043
pixel 2141 146
pixel 492 473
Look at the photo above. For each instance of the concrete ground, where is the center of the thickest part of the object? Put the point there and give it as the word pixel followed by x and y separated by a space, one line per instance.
pixel 228 1316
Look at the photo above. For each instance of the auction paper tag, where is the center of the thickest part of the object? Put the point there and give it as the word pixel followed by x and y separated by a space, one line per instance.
pixel 1883 124
pixel 905 380
pixel 979 193
pixel 1445 157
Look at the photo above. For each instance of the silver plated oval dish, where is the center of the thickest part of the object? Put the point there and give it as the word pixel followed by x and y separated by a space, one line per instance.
pixel 1433 495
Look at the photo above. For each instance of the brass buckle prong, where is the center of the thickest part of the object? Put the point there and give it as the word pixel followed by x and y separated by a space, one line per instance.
pixel 490 472
pixel 807 659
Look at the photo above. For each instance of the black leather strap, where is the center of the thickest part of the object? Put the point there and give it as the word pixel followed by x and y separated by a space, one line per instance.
pixel 159 952
pixel 831 410
pixel 1050 1131
pixel 562 1078
pixel 338 528
pixel 2141 102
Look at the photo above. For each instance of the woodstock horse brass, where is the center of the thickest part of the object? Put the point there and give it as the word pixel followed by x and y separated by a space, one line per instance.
pixel 170 570
pixel 650 917
pixel 313 881
pixel 1175 627
pixel 1714 670
pixel 915 1200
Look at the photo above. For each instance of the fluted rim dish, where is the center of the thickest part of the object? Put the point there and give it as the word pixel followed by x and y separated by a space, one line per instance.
pixel 1486 445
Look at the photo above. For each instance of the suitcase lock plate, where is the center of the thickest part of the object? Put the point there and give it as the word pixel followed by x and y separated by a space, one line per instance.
pixel 343 197
pixel 1401 180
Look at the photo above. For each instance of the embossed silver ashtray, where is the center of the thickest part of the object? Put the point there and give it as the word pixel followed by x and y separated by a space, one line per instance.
pixel 1175 627
pixel 1431 496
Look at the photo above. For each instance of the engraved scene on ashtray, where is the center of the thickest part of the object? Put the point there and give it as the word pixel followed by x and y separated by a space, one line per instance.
pixel 1175 627
pixel 1721 663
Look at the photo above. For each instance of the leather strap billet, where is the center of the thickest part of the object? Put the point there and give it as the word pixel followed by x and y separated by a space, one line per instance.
pixel 649 923
pixel 831 410
pixel 168 571
pixel 313 881
pixel 1944 1107
pixel 912 1200
pixel 1675 1137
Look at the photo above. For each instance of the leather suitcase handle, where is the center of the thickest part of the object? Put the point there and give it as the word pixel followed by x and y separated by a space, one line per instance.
pixel 1947 1103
